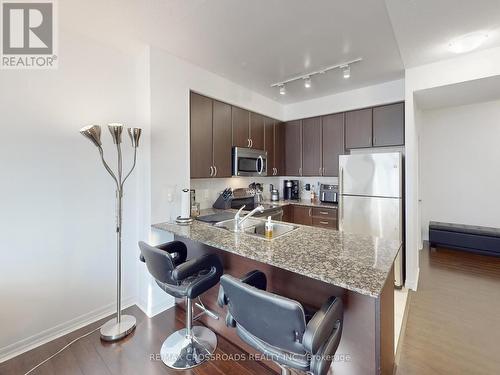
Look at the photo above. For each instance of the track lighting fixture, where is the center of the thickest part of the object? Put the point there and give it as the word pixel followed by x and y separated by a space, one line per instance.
pixel 346 71
pixel 345 67
pixel 307 82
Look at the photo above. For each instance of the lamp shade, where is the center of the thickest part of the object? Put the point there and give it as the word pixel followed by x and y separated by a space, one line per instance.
pixel 134 134
pixel 116 132
pixel 92 132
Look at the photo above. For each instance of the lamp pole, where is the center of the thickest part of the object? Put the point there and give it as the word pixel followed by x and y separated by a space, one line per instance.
pixel 122 325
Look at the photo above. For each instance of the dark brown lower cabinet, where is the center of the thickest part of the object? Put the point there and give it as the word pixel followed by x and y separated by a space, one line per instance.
pixel 302 215
pixel 287 214
pixel 321 217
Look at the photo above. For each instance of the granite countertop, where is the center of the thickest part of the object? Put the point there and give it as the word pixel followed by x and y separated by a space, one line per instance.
pixel 301 202
pixel 354 262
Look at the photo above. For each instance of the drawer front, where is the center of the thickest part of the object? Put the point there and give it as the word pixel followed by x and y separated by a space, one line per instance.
pixel 327 213
pixel 324 223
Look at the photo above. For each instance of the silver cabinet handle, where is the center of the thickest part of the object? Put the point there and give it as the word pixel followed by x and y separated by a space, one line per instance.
pixel 323 212
pixel 275 171
pixel 310 212
pixel 323 173
pixel 251 142
pixel 320 169
pixel 215 170
pixel 300 171
pixel 211 171
pixel 324 222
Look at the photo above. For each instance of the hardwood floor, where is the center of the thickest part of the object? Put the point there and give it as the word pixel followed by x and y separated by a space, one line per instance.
pixel 132 355
pixel 454 318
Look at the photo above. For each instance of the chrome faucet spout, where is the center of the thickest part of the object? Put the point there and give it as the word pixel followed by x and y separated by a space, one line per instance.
pixel 239 221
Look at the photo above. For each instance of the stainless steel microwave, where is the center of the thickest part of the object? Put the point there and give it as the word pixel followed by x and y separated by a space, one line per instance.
pixel 249 162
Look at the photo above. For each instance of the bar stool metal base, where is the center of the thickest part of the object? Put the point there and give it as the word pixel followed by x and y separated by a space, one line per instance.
pixel 113 331
pixel 182 352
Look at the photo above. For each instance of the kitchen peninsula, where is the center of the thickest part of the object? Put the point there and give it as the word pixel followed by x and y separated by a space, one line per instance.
pixel 310 264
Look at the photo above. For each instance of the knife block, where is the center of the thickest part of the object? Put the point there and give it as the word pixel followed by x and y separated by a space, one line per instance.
pixel 223 204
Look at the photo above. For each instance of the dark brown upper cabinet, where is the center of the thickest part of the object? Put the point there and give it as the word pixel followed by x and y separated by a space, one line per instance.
pixel 311 147
pixel 256 131
pixel 279 148
pixel 201 109
pixel 358 129
pixel 293 148
pixel 210 137
pixel 269 146
pixel 222 142
pixel 241 127
pixel 333 143
pixel 388 125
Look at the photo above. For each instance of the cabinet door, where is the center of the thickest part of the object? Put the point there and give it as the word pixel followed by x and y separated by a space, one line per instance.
pixel 279 148
pixel 222 139
pixel 302 215
pixel 241 127
pixel 358 129
pixel 201 136
pixel 333 143
pixel 269 146
pixel 257 131
pixel 311 147
pixel 287 213
pixel 388 125
pixel 293 148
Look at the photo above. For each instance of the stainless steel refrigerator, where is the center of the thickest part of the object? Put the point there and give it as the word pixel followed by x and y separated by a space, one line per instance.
pixel 371 198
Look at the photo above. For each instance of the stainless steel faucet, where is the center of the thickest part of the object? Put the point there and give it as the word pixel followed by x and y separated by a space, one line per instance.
pixel 238 221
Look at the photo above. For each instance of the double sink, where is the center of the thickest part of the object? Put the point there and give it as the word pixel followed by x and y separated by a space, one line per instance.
pixel 256 228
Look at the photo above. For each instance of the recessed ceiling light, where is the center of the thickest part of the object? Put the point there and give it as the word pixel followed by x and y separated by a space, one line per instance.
pixel 467 42
pixel 282 90
pixel 346 71
pixel 307 82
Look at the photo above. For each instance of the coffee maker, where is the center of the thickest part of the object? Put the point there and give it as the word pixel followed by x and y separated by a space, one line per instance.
pixel 291 190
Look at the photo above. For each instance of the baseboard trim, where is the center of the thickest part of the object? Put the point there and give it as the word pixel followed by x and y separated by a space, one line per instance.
pixel 157 309
pixel 29 343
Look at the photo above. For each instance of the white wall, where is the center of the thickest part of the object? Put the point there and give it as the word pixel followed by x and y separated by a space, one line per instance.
pixel 387 92
pixel 171 80
pixel 58 203
pixel 471 66
pixel 460 158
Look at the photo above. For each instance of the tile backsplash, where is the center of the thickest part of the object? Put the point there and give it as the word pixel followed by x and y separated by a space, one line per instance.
pixel 208 189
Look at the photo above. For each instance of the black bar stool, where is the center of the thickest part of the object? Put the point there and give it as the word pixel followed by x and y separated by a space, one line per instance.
pixel 167 263
pixel 279 328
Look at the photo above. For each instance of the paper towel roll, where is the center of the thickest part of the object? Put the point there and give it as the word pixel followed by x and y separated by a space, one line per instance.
pixel 185 204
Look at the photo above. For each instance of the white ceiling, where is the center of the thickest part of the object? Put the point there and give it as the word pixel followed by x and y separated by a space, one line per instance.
pixel 423 28
pixel 258 42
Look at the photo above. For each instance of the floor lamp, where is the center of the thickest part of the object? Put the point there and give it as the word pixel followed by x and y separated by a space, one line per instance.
pixel 122 325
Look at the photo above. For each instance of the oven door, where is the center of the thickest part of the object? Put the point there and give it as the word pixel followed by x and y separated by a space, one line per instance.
pixel 249 162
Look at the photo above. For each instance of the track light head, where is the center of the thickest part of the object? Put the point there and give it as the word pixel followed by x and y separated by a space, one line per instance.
pixel 307 82
pixel 282 89
pixel 346 71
